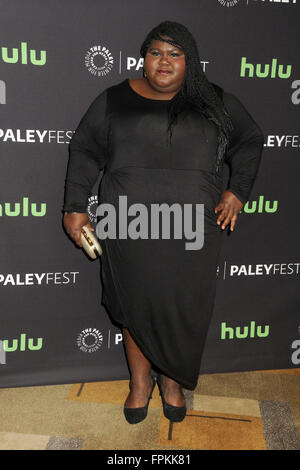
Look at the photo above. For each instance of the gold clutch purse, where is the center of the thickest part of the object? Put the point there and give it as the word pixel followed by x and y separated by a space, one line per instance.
pixel 90 243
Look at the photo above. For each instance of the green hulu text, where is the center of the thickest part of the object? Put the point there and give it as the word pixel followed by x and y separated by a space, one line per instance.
pixel 241 332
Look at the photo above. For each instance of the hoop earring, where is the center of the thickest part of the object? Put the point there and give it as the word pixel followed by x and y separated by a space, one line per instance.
pixel 144 73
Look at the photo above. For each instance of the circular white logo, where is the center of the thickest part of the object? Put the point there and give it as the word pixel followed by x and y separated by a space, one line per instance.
pixel 89 340
pixel 92 208
pixel 99 61
pixel 229 3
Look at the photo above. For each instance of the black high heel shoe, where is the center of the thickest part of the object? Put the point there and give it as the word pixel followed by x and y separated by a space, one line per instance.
pixel 171 412
pixel 136 415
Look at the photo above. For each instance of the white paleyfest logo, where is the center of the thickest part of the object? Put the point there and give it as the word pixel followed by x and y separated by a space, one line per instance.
pixel 89 340
pixel 38 279
pixel 99 61
pixel 228 3
pixel 33 136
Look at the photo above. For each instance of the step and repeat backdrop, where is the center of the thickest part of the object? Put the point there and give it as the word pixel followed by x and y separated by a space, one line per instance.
pixel 55 58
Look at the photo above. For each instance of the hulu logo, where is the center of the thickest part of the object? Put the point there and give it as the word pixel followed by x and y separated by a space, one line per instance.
pixel 238 332
pixel 268 70
pixel 15 55
pixel 24 209
pixel 22 344
pixel 260 206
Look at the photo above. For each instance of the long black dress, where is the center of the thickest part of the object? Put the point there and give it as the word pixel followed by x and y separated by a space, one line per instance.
pixel 161 291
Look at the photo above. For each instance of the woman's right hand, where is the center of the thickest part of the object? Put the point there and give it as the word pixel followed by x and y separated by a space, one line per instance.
pixel 73 222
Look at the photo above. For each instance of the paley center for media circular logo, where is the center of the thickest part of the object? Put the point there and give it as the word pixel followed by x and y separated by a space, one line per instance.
pixel 89 340
pixel 99 61
pixel 92 208
pixel 228 3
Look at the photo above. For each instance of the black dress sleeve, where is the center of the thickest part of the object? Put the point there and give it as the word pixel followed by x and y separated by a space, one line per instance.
pixel 87 155
pixel 244 150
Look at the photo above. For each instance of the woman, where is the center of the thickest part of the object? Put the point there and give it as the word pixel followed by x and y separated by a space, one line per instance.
pixel 161 139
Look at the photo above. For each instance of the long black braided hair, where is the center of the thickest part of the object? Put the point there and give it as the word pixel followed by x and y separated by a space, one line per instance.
pixel 196 91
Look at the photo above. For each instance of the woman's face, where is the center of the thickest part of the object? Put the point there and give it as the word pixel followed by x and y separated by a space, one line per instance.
pixel 164 56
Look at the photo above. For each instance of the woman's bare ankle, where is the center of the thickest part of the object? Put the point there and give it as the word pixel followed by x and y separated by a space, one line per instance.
pixel 140 381
pixel 139 391
pixel 172 391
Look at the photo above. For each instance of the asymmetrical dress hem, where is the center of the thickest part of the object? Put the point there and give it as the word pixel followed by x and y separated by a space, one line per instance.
pixel 159 289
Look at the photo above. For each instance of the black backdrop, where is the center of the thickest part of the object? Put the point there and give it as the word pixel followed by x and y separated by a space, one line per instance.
pixel 53 327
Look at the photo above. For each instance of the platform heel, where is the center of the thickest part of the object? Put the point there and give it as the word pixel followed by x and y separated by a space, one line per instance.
pixel 136 415
pixel 171 412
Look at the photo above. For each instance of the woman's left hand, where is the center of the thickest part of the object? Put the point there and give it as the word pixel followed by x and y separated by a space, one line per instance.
pixel 230 206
